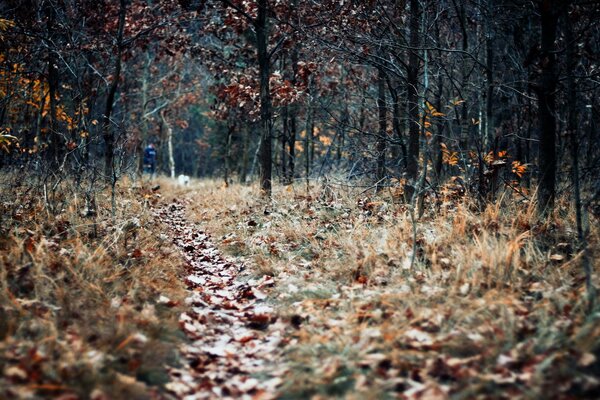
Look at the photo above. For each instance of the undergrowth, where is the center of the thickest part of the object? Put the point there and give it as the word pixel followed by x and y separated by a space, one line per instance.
pixel 493 304
pixel 89 302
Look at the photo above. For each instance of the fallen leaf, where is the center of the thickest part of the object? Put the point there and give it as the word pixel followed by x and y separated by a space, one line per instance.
pixel 586 360
pixel 16 373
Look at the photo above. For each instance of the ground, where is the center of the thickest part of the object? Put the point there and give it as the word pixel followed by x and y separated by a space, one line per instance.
pixel 318 293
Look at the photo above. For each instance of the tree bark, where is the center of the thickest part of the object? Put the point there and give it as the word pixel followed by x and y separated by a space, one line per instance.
pixel 573 133
pixel 55 141
pixel 265 98
pixel 380 145
pixel 309 132
pixel 397 126
pixel 547 107
pixel 412 82
pixel 144 128
pixel 109 139
pixel 245 156
pixel 169 143
pixel 572 128
pixel 230 130
pixel 293 120
pixel 438 156
pixel 489 75
pixel 285 128
pixel 465 123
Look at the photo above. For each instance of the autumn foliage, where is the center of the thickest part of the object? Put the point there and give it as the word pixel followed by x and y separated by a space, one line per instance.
pixel 374 199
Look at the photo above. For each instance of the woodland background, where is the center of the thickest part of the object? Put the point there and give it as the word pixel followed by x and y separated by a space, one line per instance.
pixel 462 133
pixel 487 94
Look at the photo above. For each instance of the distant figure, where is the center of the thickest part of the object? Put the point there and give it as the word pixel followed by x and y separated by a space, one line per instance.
pixel 150 160
pixel 183 180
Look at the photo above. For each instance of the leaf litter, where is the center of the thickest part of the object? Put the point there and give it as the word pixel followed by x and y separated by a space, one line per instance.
pixel 235 336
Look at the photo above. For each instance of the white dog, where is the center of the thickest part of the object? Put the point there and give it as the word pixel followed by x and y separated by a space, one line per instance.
pixel 183 180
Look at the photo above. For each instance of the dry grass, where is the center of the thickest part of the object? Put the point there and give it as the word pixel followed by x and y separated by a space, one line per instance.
pixel 79 309
pixel 494 305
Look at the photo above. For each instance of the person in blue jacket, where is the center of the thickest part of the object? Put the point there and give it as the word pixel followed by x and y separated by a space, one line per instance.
pixel 150 160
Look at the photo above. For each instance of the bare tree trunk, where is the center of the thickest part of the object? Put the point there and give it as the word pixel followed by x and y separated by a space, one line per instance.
pixel 380 145
pixel 262 38
pixel 465 123
pixel 396 125
pixel 55 142
pixel 245 156
pixel 437 141
pixel 293 110
pixel 309 132
pixel 40 121
pixel 573 133
pixel 412 82
pixel 169 143
pixel 345 115
pixel 144 130
pixel 489 74
pixel 230 130
pixel 572 128
pixel 547 107
pixel 284 139
pixel 109 139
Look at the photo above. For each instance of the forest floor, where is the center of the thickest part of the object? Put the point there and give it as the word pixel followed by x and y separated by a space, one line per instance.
pixel 317 294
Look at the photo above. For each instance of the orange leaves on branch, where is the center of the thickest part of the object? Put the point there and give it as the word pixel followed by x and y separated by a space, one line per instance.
pixel 6 24
pixel 492 157
pixel 431 110
pixel 518 168
pixel 449 157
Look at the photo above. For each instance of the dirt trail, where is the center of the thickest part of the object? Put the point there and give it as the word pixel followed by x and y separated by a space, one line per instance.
pixel 235 336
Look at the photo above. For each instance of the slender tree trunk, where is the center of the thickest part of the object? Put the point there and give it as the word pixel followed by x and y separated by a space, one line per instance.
pixel 412 82
pixel 309 134
pixel 110 98
pixel 169 130
pixel 547 107
pixel 345 115
pixel 40 121
pixel 230 130
pixel 293 115
pixel 343 119
pixel 397 126
pixel 284 140
pixel 437 141
pixel 572 128
pixel 573 133
pixel 465 123
pixel 262 38
pixel 144 127
pixel 245 156
pixel 489 74
pixel 55 141
pixel 292 143
pixel 382 135
pixel 256 156
pixel 313 139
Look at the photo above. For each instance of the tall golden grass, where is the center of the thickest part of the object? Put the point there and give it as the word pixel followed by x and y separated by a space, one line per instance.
pixel 79 295
pixel 494 303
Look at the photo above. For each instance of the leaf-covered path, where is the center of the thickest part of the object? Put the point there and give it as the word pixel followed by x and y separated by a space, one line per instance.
pixel 235 339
